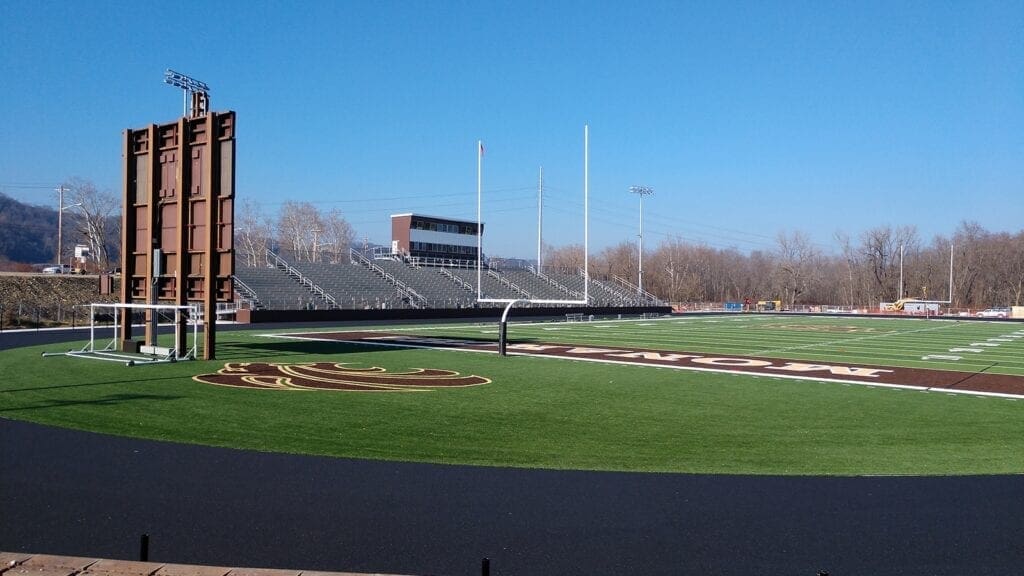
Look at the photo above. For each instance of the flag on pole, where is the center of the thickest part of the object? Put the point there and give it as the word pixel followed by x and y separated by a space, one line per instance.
pixel 481 148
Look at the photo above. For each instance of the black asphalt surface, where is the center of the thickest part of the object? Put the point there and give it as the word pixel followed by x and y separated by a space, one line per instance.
pixel 77 493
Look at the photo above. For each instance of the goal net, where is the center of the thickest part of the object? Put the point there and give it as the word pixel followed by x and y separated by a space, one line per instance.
pixel 184 318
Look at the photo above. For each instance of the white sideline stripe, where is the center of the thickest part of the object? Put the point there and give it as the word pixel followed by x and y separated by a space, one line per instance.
pixel 949 391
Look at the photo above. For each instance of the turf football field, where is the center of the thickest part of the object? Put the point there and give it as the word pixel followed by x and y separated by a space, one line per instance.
pixel 543 412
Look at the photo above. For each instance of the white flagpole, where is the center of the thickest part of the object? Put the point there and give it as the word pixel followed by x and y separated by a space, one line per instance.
pixel 586 213
pixel 479 225
pixel 540 217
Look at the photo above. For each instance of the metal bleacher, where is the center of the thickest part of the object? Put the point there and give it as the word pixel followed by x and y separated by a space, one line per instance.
pixel 541 286
pixel 600 295
pixel 490 285
pixel 438 290
pixel 353 286
pixel 287 282
pixel 275 289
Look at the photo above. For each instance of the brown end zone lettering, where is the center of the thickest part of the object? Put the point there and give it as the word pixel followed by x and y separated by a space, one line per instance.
pixel 584 350
pixel 733 362
pixel 836 370
pixel 654 356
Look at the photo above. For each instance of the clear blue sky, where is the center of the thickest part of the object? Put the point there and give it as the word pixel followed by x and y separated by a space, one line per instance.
pixel 745 118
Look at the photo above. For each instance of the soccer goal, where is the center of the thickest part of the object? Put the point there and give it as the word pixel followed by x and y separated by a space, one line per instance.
pixel 185 318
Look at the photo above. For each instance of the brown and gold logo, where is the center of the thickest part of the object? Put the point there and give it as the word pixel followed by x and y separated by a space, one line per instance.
pixel 335 376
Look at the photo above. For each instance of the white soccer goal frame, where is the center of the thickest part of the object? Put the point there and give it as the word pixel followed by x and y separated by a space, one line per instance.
pixel 147 354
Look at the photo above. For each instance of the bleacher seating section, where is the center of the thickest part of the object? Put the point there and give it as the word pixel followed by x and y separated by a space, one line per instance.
pixel 378 284
pixel 276 290
pixel 353 286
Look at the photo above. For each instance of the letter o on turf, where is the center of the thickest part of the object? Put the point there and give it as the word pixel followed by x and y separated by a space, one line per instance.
pixel 733 362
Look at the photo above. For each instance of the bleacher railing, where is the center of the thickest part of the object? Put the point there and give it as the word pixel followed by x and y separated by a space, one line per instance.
pixel 508 283
pixel 462 283
pixel 441 262
pixel 553 282
pixel 416 300
pixel 302 279
pixel 643 294
pixel 247 292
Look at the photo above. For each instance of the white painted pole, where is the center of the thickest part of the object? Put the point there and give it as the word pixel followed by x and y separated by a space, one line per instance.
pixel 586 213
pixel 950 272
pixel 479 224
pixel 540 217
pixel 60 226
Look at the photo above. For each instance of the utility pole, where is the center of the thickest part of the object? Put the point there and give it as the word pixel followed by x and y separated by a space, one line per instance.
pixel 60 221
pixel 60 224
pixel 641 191
pixel 900 295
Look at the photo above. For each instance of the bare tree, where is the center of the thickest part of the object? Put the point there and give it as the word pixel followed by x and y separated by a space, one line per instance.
pixel 567 259
pixel 97 224
pixel 619 260
pixel 797 261
pixel 969 245
pixel 337 236
pixel 299 230
pixel 252 233
pixel 881 252
pixel 673 276
pixel 1015 269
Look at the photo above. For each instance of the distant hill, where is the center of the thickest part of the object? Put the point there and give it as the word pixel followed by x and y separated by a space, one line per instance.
pixel 28 233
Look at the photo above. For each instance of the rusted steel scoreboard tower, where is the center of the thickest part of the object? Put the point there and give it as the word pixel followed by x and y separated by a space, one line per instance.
pixel 177 233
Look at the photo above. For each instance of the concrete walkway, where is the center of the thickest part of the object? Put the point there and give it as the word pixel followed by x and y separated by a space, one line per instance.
pixel 16 564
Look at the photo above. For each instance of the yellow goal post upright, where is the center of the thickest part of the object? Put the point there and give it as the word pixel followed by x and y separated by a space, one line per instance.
pixel 510 302
pixel 186 319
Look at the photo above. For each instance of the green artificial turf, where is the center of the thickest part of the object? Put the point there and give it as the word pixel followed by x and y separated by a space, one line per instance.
pixel 555 413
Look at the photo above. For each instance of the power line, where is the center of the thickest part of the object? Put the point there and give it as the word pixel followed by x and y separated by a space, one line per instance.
pixel 21 186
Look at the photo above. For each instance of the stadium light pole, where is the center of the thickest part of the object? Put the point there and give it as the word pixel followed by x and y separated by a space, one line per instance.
pixel 190 86
pixel 641 191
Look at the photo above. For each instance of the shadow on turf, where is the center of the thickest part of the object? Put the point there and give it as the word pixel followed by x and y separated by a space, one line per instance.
pixel 241 351
pixel 84 384
pixel 236 351
pixel 110 400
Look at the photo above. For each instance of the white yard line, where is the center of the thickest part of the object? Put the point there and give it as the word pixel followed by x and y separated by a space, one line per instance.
pixel 847 340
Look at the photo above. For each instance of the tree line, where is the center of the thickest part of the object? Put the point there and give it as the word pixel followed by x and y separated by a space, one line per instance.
pixel 988 267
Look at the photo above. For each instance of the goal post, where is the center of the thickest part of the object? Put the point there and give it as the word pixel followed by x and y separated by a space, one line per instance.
pixel 510 302
pixel 98 348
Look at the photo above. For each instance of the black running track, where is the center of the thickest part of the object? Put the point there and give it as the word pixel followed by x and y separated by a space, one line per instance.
pixel 76 493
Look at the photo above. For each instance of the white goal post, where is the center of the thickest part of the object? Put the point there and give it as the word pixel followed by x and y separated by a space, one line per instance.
pixel 148 354
pixel 586 236
pixel 510 302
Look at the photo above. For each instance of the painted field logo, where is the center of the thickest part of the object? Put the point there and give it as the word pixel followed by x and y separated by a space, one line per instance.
pixel 335 376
